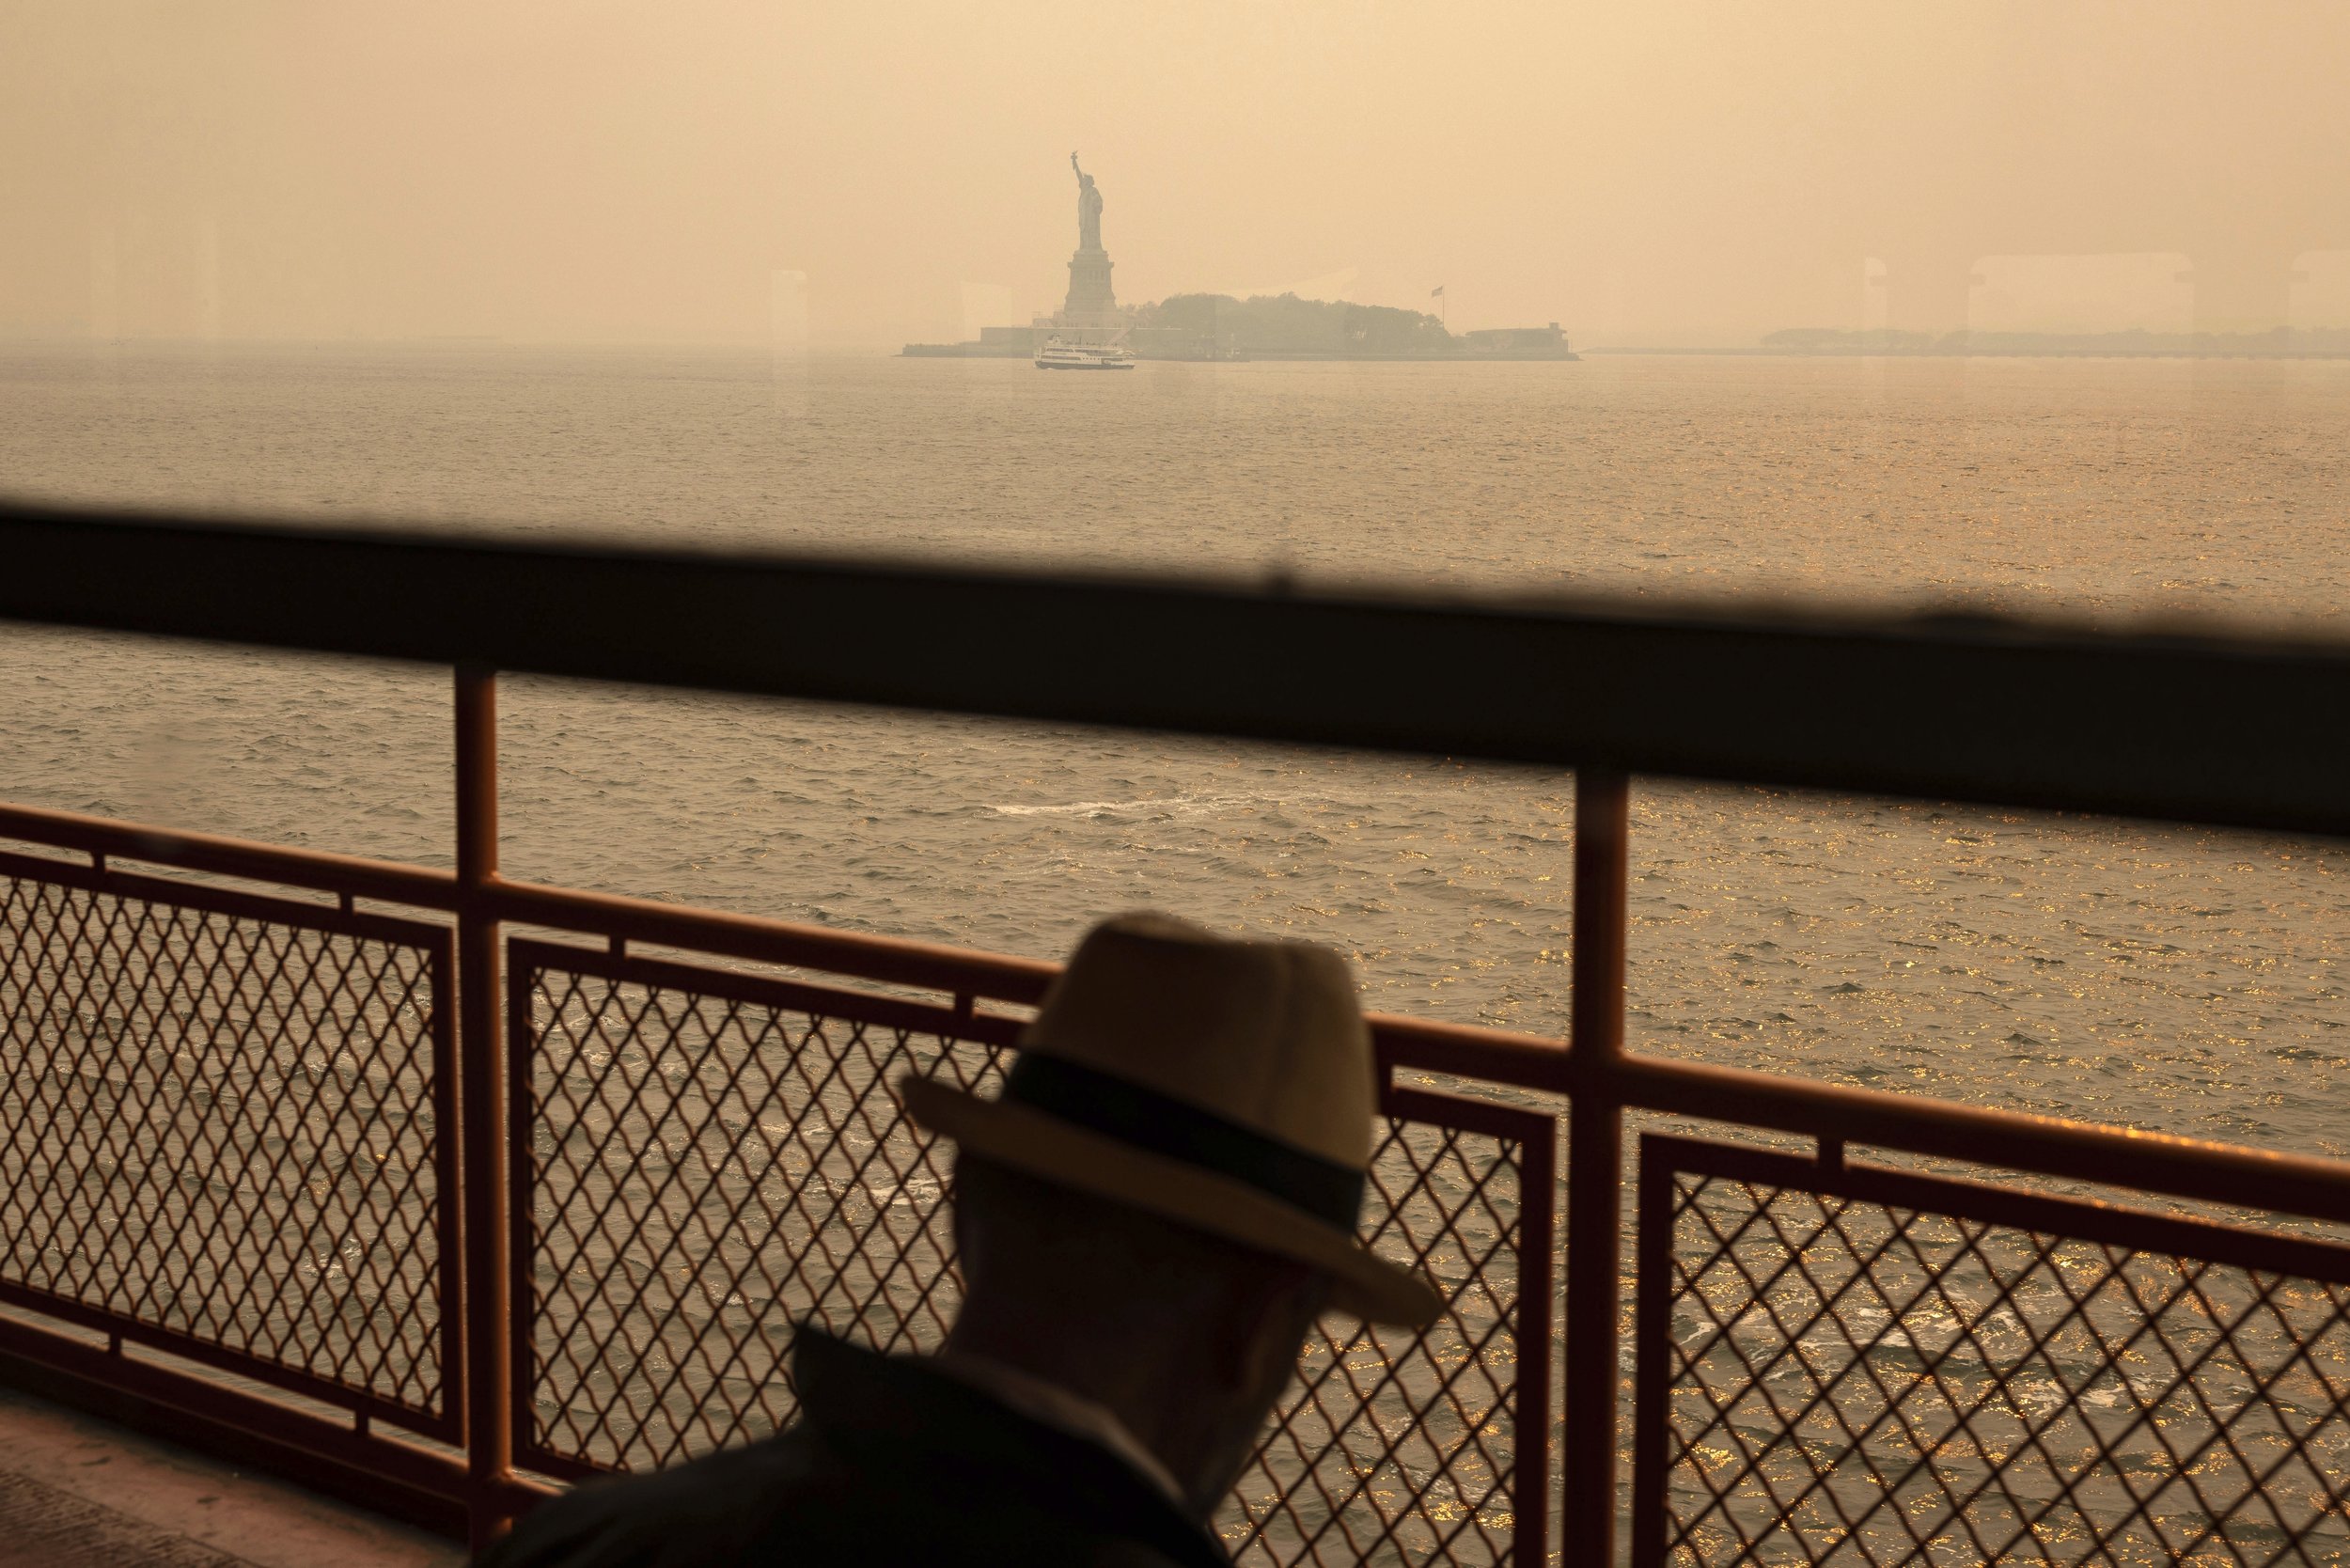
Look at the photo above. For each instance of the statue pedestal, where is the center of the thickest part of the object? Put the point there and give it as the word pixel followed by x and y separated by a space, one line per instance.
pixel 1092 304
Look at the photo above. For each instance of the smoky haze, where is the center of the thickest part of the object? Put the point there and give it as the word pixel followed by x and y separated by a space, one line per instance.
pixel 1662 173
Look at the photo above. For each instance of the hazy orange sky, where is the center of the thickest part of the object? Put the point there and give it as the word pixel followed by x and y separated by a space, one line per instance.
pixel 1664 171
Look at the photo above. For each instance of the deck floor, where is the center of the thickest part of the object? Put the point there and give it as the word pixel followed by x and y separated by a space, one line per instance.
pixel 75 1490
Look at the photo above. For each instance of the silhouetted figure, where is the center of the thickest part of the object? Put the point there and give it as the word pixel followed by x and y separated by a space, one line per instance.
pixel 1148 1218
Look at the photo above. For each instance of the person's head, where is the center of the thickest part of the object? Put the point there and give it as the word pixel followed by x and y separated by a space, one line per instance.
pixel 1166 1192
pixel 1187 1336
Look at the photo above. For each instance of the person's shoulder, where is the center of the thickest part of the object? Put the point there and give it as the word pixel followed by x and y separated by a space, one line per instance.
pixel 917 1526
pixel 714 1511
pixel 794 1500
pixel 891 1462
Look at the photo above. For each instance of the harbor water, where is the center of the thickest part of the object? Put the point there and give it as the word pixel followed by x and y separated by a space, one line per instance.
pixel 2160 977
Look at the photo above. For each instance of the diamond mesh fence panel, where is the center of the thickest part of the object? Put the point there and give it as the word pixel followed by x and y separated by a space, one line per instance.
pixel 221 1128
pixel 1399 1447
pixel 712 1161
pixel 715 1158
pixel 1879 1373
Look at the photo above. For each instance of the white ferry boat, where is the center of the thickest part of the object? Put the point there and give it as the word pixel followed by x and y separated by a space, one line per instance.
pixel 1057 355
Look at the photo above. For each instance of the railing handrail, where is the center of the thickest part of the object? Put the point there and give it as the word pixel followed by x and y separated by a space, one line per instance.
pixel 2100 1154
pixel 2217 728
pixel 752 937
pixel 758 939
pixel 221 855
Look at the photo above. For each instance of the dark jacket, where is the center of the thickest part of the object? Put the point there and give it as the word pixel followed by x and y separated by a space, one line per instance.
pixel 891 1462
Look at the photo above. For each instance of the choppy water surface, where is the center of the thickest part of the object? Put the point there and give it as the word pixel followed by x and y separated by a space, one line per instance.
pixel 2176 978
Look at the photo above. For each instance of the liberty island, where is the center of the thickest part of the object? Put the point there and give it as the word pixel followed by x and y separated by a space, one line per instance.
pixel 1092 330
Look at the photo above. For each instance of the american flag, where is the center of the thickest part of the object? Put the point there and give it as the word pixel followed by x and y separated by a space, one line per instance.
pixel 1437 293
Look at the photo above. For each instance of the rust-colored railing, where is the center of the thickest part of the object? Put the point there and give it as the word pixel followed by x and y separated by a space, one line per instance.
pixel 437 1190
pixel 260 1145
pixel 704 1159
pixel 1839 1359
pixel 224 1125
pixel 680 1163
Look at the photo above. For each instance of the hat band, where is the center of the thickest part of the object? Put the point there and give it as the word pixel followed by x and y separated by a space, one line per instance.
pixel 1162 1124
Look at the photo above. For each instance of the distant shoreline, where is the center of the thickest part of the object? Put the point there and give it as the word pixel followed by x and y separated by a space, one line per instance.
pixel 1980 353
pixel 1970 344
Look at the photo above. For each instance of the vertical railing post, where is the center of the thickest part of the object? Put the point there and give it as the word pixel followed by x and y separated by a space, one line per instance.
pixel 1595 1166
pixel 481 1085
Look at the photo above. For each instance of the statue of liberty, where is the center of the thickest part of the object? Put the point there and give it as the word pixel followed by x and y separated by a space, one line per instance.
pixel 1088 210
pixel 1092 303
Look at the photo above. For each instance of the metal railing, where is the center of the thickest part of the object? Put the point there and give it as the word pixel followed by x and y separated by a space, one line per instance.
pixel 1905 1366
pixel 685 1162
pixel 611 1173
pixel 225 1127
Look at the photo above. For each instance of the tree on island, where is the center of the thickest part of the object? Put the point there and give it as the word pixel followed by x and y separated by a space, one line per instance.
pixel 1283 324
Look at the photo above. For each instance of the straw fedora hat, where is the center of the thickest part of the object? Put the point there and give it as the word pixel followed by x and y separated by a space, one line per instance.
pixel 1224 1085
